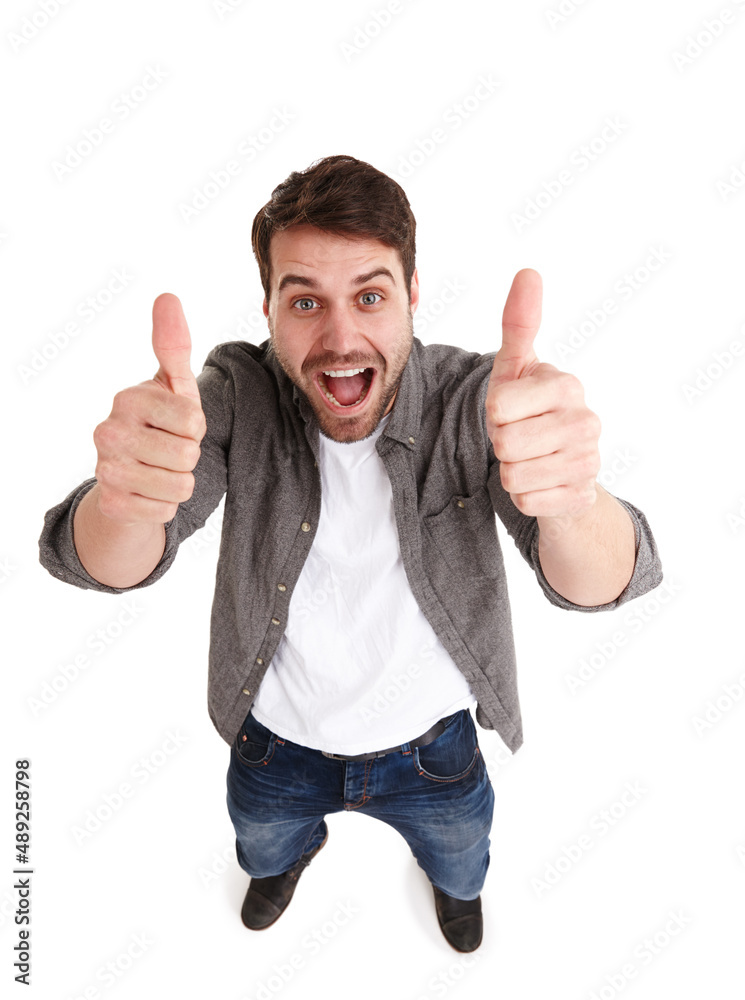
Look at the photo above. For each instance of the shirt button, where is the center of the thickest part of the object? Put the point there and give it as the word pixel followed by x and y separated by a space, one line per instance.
pixel 461 504
pixel 281 586
pixel 305 526
pixel 259 660
pixel 275 621
pixel 246 691
pixel 411 440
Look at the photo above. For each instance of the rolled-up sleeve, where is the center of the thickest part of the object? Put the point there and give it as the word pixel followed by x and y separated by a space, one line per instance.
pixel 57 552
pixel 647 567
pixel 524 531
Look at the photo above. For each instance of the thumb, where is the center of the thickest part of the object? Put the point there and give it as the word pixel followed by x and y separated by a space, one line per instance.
pixel 520 322
pixel 172 347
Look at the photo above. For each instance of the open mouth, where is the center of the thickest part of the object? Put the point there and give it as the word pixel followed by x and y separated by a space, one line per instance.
pixel 345 389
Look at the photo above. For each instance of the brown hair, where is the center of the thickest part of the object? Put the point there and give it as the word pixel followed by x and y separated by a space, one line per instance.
pixel 340 195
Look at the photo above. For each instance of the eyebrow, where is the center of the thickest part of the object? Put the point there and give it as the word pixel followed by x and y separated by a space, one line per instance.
pixel 306 282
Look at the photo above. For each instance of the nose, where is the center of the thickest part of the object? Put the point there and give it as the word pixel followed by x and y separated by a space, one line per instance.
pixel 340 333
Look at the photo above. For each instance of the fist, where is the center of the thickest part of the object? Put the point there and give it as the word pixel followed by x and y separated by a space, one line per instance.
pixel 540 428
pixel 149 444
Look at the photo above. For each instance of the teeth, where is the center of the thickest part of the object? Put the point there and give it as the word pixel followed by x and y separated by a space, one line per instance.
pixel 330 395
pixel 344 406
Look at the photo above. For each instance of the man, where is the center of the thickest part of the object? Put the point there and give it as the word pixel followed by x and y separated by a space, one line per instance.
pixel 361 606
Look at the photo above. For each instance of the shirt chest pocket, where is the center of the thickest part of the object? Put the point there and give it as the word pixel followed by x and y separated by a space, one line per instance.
pixel 465 535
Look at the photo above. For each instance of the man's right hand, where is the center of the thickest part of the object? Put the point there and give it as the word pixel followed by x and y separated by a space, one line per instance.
pixel 149 444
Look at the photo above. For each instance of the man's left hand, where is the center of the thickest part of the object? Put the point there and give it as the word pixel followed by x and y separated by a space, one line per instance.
pixel 542 432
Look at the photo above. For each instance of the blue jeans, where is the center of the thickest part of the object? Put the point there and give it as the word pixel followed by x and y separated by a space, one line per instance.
pixel 438 797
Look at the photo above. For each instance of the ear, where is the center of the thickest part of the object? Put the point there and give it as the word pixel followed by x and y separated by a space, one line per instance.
pixel 414 300
pixel 265 308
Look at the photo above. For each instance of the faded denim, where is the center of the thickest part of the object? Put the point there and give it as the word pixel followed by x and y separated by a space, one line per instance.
pixel 438 797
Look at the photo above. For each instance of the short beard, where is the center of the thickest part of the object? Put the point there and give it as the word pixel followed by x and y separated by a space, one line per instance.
pixel 355 429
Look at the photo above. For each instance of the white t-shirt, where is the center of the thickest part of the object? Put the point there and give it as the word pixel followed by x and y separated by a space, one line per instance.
pixel 359 667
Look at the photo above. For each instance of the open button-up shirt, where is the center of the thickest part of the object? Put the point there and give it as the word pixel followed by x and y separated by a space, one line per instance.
pixel 261 452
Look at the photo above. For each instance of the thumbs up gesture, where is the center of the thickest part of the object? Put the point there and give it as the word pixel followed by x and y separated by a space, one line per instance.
pixel 149 444
pixel 544 436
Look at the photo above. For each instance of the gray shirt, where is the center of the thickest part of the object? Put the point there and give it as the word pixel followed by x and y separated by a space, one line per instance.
pixel 261 448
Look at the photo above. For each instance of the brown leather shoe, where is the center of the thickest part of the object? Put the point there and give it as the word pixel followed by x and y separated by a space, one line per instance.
pixel 268 898
pixel 460 920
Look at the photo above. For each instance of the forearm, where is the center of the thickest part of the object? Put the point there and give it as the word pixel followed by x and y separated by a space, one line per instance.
pixel 589 560
pixel 117 555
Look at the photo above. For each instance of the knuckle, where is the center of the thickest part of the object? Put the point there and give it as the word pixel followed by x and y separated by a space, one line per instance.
pixel 192 453
pixel 187 420
pixel 186 486
pixel 569 389
pixel 113 475
pixel 507 476
pixel 111 503
pixel 520 500
pixel 102 435
pixel 497 442
pixel 589 466
pixel 571 385
pixel 584 425
pixel 102 472
pixel 196 423
pixel 125 400
pixel 167 511
pixel 500 440
pixel 112 438
pixel 496 404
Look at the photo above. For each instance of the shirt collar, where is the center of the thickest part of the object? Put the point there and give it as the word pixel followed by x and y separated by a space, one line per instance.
pixel 406 414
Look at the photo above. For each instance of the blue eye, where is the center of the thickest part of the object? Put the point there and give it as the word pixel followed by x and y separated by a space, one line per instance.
pixel 367 295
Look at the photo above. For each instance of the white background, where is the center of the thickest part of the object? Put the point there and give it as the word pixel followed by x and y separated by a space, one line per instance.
pixel 160 868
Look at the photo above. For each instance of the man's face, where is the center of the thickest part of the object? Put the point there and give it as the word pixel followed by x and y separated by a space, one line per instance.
pixel 339 305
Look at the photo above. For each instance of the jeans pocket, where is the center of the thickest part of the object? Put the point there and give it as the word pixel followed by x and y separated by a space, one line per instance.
pixel 254 743
pixel 453 754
